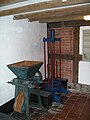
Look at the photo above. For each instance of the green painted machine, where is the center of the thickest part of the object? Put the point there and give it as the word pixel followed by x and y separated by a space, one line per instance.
pixel 28 79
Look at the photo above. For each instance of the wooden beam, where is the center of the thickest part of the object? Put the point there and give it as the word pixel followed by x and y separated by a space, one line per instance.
pixel 65 56
pixel 53 13
pixel 7 2
pixel 75 23
pixel 60 17
pixel 76 54
pixel 40 6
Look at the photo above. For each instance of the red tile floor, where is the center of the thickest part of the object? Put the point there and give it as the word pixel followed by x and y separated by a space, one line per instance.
pixel 76 107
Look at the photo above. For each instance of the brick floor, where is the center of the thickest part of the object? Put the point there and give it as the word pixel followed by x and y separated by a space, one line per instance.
pixel 76 107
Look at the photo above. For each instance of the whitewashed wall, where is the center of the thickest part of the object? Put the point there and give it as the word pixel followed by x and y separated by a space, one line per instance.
pixel 19 40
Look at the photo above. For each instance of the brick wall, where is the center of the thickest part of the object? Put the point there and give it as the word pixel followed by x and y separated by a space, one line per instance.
pixel 66 34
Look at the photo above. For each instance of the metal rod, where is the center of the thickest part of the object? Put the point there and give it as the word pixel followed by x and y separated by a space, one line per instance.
pixel 53 60
pixel 56 70
pixel 52 68
pixel 45 60
pixel 60 58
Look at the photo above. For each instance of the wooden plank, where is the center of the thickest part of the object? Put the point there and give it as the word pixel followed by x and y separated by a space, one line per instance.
pixel 76 54
pixel 65 56
pixel 40 6
pixel 76 23
pixel 19 102
pixel 53 13
pixel 60 17
pixel 7 2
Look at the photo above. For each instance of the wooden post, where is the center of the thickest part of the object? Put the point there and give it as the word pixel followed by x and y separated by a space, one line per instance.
pixel 76 56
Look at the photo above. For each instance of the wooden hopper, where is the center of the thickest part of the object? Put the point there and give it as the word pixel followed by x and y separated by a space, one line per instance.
pixel 25 69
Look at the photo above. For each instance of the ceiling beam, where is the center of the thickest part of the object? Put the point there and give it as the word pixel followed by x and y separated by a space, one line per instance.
pixel 74 23
pixel 7 2
pixel 55 13
pixel 61 19
pixel 41 6
pixel 70 16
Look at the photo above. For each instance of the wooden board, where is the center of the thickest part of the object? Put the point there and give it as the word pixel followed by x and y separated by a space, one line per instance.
pixel 19 102
pixel 53 15
pixel 38 6
pixel 76 54
pixel 74 23
pixel 8 2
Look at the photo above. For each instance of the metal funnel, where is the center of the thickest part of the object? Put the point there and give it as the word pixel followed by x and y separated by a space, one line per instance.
pixel 25 69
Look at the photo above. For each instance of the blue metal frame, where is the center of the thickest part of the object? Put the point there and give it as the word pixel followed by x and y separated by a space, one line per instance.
pixel 55 86
pixel 52 37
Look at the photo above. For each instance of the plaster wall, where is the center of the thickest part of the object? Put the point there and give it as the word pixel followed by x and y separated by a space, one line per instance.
pixel 19 40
